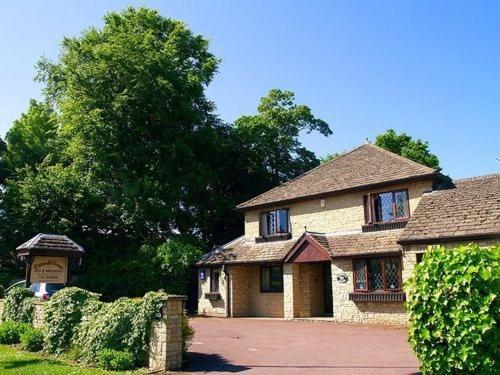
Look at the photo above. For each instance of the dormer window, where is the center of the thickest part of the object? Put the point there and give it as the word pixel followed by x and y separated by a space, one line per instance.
pixel 275 222
pixel 387 206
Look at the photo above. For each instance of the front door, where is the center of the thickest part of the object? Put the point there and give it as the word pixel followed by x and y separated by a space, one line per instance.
pixel 327 277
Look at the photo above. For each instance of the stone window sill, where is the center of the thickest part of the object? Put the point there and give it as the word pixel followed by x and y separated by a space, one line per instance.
pixel 377 297
pixel 212 296
pixel 273 237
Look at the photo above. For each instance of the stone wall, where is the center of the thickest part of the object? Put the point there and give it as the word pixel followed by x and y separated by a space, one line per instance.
pixel 38 314
pixel 340 213
pixel 346 311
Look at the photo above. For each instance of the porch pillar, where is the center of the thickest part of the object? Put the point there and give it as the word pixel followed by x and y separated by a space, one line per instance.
pixel 291 291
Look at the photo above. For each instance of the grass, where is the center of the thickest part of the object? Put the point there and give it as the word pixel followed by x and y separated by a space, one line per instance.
pixel 14 361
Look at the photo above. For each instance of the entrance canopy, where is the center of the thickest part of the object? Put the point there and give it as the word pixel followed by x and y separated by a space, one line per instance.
pixel 50 245
pixel 307 250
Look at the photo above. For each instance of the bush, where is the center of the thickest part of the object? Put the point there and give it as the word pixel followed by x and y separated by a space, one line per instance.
pixel 187 336
pixel 32 340
pixel 62 315
pixel 18 305
pixel 115 360
pixel 123 325
pixel 453 310
pixel 10 332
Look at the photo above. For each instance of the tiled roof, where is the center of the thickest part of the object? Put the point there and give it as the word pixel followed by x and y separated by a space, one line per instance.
pixel 360 243
pixel 364 166
pixel 244 251
pixel 50 244
pixel 471 209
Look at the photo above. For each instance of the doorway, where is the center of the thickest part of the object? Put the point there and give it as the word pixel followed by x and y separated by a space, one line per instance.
pixel 327 279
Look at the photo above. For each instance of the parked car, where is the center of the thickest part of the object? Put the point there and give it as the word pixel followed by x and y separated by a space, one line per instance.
pixel 41 290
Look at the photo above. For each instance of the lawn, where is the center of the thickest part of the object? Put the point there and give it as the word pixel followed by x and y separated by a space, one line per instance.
pixel 14 361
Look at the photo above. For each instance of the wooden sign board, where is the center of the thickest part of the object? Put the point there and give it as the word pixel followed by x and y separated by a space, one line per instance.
pixel 52 270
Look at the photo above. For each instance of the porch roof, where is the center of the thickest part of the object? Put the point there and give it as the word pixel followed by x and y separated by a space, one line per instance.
pixel 243 251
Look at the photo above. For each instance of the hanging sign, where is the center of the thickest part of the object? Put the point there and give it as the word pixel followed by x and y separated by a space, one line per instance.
pixel 52 270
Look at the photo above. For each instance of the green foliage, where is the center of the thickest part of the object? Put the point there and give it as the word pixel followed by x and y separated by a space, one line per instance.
pixel 404 145
pixel 329 157
pixel 115 360
pixel 187 336
pixel 62 315
pixel 454 310
pixel 31 138
pixel 32 340
pixel 11 332
pixel 121 325
pixel 172 262
pixel 18 305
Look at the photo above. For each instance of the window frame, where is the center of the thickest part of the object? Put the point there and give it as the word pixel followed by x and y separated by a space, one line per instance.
pixel 370 211
pixel 212 278
pixel 271 266
pixel 263 222
pixel 382 260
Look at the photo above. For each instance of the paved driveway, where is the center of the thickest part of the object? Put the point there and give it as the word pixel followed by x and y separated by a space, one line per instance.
pixel 258 346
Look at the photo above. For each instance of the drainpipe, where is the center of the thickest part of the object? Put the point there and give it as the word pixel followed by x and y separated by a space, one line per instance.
pixel 228 291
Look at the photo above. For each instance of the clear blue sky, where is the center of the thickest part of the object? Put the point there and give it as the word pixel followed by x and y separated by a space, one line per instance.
pixel 429 68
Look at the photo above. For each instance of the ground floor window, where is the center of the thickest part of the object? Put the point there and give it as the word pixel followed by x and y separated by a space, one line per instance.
pixel 214 280
pixel 375 274
pixel 271 279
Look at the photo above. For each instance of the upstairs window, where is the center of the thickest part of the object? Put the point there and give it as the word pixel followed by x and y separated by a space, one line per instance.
pixel 377 274
pixel 274 222
pixel 387 206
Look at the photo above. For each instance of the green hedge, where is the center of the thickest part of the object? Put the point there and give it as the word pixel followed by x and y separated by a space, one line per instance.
pixel 62 315
pixel 18 305
pixel 453 310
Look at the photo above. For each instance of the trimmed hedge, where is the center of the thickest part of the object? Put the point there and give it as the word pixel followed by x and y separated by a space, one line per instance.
pixel 453 310
pixel 19 305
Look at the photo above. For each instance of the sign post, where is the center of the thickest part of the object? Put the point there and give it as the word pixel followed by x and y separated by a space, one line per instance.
pixel 49 257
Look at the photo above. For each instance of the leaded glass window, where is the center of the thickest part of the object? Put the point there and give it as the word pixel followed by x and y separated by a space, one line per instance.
pixel 377 274
pixel 360 274
pixel 391 269
pixel 274 222
pixel 388 206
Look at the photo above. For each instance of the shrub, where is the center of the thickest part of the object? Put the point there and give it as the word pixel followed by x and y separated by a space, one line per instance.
pixel 10 332
pixel 453 310
pixel 62 315
pixel 115 360
pixel 32 340
pixel 121 325
pixel 187 336
pixel 18 305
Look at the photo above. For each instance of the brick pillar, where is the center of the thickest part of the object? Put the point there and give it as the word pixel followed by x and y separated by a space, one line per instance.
pixel 165 345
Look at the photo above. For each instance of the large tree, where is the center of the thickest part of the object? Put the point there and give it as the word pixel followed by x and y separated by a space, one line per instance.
pixel 405 145
pixel 126 152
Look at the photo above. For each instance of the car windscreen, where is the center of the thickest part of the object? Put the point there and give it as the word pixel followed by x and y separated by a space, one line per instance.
pixel 52 288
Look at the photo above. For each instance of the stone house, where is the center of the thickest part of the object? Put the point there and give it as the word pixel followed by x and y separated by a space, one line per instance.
pixel 339 241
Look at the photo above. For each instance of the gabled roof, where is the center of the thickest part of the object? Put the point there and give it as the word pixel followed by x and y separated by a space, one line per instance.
pixel 469 211
pixel 365 166
pixel 51 245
